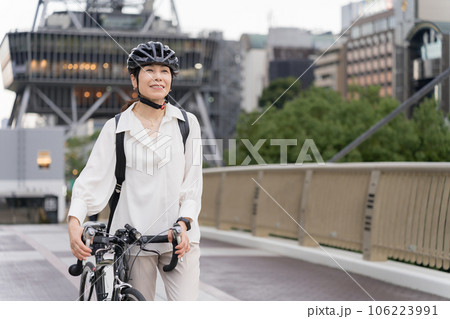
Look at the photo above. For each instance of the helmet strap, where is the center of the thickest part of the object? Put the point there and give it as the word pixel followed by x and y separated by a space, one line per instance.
pixel 150 103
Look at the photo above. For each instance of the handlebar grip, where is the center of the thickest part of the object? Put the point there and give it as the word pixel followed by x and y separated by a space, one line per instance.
pixel 76 269
pixel 174 260
pixel 154 239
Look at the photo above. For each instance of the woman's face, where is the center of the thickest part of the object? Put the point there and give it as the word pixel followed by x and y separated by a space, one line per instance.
pixel 154 82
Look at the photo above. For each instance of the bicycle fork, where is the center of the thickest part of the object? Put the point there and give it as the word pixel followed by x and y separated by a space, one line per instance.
pixel 118 287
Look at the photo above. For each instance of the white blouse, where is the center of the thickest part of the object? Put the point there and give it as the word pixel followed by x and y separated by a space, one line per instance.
pixel 162 181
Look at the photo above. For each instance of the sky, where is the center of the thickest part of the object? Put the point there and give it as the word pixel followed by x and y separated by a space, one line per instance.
pixel 232 17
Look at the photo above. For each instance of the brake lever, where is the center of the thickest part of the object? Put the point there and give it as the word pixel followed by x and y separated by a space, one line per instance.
pixel 88 234
pixel 176 233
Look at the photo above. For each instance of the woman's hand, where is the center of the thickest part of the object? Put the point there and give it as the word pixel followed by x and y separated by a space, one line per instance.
pixel 79 249
pixel 183 247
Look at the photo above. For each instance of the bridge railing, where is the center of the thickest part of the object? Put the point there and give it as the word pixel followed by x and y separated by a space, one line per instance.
pixel 384 210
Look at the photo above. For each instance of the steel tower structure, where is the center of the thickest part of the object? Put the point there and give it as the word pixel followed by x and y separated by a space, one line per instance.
pixel 72 65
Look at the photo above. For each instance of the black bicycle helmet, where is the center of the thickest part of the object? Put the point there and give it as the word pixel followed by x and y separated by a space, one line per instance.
pixel 152 52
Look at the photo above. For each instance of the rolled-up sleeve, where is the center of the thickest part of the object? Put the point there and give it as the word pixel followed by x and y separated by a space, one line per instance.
pixel 93 188
pixel 192 186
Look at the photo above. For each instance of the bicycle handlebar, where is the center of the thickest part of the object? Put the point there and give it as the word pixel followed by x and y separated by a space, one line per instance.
pixel 93 235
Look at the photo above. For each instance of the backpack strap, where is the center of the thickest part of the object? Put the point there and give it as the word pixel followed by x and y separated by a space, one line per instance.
pixel 184 127
pixel 119 172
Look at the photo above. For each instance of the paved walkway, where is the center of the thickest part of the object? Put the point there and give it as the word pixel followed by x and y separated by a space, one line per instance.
pixel 34 261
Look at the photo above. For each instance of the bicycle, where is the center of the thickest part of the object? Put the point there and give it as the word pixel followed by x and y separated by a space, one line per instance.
pixel 94 278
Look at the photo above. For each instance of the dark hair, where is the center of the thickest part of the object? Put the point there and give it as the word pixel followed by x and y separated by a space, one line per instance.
pixel 128 104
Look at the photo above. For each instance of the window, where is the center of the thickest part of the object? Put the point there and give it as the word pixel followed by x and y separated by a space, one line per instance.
pixel 44 159
pixel 389 90
pixel 389 37
pixel 375 50
pixel 375 64
pixel 391 22
pixel 367 28
pixel 381 25
pixel 389 48
pixel 375 79
pixel 355 32
pixel 389 62
pixel 361 81
pixel 389 76
pixel 375 40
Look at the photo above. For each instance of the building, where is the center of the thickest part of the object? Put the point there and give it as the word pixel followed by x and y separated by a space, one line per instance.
pixel 32 185
pixel 253 61
pixel 400 45
pixel 292 52
pixel 329 71
pixel 289 53
pixel 70 69
pixel 350 13
pixel 428 55
pixel 370 52
pixel 283 52
pixel 224 95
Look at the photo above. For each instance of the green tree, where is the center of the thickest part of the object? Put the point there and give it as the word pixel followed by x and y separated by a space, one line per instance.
pixel 76 155
pixel 274 92
pixel 332 122
pixel 433 134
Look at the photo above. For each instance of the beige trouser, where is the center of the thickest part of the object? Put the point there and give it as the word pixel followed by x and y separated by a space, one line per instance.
pixel 180 283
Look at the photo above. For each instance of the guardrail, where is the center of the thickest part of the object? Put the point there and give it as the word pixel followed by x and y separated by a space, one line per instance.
pixel 384 210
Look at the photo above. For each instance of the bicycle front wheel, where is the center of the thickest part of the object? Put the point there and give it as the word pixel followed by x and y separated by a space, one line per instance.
pixel 131 294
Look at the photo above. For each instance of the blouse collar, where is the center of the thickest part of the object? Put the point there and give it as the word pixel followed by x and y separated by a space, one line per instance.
pixel 126 119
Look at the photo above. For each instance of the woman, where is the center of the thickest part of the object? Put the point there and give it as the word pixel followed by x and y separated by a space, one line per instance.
pixel 163 182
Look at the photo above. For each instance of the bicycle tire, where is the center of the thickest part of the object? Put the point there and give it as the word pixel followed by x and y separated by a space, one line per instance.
pixel 132 294
pixel 85 293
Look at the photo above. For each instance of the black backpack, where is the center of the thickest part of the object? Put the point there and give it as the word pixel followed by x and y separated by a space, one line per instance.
pixel 121 162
